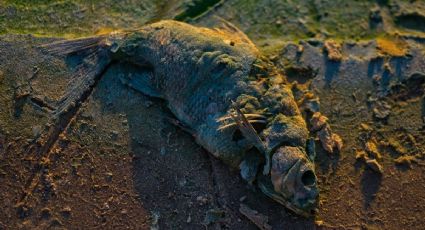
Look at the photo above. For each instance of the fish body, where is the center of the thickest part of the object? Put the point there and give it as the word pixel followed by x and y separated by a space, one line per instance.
pixel 225 93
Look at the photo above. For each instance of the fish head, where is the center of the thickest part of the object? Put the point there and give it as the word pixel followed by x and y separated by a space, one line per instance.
pixel 292 180
pixel 288 175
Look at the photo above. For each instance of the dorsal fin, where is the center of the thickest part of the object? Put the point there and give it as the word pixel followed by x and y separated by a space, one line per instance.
pixel 227 26
pixel 230 31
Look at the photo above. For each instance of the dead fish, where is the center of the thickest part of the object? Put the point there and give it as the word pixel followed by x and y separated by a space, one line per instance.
pixel 221 90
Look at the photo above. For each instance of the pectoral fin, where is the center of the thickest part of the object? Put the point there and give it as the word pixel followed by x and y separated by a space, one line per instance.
pixel 249 132
pixel 141 81
pixel 249 166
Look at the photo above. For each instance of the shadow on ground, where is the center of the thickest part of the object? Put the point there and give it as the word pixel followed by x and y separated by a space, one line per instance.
pixel 176 179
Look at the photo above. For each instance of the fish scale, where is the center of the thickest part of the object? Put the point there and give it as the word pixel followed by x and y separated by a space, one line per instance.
pixel 206 75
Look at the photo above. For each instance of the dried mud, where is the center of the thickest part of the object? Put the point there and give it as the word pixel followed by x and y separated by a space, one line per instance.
pixel 116 162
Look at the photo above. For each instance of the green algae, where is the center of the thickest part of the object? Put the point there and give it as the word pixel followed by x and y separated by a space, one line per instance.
pixel 293 20
pixel 261 20
pixel 72 18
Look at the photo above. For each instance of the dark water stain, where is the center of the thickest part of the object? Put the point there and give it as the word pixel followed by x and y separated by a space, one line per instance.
pixel 331 70
pixel 412 87
pixel 385 80
pixel 400 65
pixel 370 184
pixel 413 21
pixel 374 67
pixel 300 74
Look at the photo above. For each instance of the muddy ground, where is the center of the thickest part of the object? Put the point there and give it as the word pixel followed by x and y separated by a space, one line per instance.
pixel 116 162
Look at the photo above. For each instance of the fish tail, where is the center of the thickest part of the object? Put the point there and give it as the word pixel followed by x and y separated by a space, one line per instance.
pixel 67 47
pixel 94 53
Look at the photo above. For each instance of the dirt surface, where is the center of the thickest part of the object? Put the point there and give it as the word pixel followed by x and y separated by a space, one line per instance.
pixel 116 162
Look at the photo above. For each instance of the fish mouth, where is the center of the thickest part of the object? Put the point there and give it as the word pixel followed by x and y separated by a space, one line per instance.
pixel 266 187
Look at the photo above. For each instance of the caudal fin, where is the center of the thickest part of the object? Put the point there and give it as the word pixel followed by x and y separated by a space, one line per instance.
pixel 66 47
pixel 95 58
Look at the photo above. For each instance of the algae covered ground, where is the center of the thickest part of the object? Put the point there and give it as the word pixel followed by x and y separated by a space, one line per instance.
pixel 117 162
pixel 280 19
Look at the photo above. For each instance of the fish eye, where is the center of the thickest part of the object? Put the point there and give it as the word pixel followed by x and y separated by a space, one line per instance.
pixel 308 178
